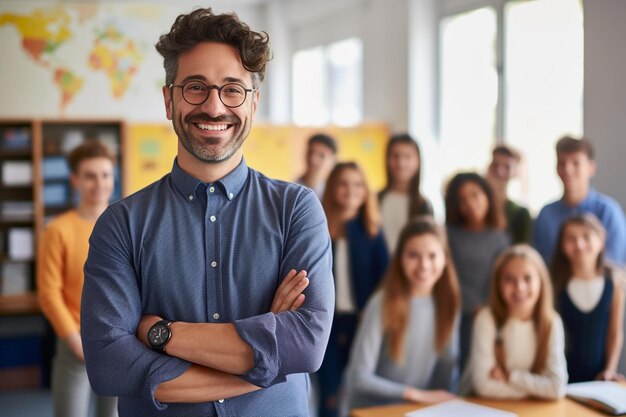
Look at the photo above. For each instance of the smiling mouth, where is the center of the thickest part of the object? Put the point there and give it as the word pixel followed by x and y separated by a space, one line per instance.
pixel 211 127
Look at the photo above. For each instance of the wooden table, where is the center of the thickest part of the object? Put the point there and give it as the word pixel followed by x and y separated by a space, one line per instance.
pixel 523 408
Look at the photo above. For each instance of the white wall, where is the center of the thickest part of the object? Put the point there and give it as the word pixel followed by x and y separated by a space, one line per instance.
pixel 382 25
pixel 605 92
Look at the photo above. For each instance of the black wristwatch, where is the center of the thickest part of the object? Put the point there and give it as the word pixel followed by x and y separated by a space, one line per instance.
pixel 159 334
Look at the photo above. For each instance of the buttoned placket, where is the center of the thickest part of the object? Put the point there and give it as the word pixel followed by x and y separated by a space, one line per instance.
pixel 214 296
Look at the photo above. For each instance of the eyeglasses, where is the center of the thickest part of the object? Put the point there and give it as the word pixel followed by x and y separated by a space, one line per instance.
pixel 231 94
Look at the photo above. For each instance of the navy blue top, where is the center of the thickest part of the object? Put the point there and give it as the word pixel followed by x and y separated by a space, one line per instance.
pixel 585 335
pixel 208 253
pixel 368 259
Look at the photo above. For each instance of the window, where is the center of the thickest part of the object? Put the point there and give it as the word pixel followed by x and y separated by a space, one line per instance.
pixel 327 84
pixel 469 90
pixel 512 72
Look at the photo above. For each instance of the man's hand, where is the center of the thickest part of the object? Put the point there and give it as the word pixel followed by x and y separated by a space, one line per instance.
pixel 289 293
pixel 144 325
pixel 75 344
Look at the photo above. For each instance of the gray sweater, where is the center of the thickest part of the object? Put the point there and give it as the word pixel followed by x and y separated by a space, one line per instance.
pixel 374 378
pixel 473 254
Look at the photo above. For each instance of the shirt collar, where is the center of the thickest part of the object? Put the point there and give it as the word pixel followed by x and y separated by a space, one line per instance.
pixel 231 184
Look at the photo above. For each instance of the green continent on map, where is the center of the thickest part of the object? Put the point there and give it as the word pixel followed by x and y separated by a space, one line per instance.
pixel 69 83
pixel 42 31
pixel 117 56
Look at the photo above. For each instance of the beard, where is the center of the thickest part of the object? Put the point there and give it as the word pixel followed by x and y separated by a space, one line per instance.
pixel 209 150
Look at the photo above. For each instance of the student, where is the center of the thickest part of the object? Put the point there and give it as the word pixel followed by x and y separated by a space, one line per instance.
pixel 576 166
pixel 360 259
pixel 504 166
pixel 518 343
pixel 476 236
pixel 178 316
pixel 590 299
pixel 60 278
pixel 406 347
pixel 401 199
pixel 321 156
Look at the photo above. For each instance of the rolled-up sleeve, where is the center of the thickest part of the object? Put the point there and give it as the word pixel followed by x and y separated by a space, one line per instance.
pixel 295 341
pixel 118 364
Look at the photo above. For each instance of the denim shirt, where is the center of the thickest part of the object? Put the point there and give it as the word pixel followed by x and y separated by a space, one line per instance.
pixel 208 253
pixel 606 209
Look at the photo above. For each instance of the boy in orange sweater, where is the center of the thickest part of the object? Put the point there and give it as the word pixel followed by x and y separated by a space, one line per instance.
pixel 62 254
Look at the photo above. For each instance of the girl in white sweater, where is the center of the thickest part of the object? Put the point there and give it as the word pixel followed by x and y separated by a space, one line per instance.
pixel 518 343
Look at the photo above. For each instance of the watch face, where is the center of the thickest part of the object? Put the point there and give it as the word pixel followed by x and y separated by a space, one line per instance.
pixel 158 334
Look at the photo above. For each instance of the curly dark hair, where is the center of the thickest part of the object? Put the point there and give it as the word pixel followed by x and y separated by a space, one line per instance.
pixel 495 216
pixel 201 25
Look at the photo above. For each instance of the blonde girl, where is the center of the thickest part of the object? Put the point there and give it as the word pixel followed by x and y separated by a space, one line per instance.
pixel 518 344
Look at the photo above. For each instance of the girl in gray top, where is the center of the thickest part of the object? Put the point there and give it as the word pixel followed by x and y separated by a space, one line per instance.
pixel 477 235
pixel 406 347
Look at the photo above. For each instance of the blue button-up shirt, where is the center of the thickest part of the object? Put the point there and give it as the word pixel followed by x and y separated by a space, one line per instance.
pixel 208 253
pixel 606 209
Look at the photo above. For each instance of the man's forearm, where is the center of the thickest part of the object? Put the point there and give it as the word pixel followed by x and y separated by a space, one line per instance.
pixel 212 345
pixel 199 384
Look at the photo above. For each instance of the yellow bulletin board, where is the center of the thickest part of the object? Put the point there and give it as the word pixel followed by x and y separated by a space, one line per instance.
pixel 277 151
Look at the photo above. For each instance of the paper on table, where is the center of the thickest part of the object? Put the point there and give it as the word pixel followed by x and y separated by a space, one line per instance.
pixel 459 408
pixel 605 395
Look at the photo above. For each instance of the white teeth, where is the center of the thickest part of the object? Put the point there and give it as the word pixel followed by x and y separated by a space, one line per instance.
pixel 211 127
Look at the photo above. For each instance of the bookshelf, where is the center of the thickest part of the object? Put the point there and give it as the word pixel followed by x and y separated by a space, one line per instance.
pixel 34 188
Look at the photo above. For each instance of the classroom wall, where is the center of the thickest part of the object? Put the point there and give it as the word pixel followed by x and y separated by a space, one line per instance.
pixel 399 75
pixel 605 92
pixel 605 98
pixel 383 27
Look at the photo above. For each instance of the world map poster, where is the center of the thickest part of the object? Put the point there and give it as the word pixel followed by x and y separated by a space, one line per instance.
pixel 82 58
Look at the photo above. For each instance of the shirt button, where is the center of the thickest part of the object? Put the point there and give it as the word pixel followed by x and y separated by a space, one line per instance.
pixel 213 264
pixel 190 197
pixel 216 316
pixel 230 196
pixel 211 189
pixel 212 218
pixel 220 401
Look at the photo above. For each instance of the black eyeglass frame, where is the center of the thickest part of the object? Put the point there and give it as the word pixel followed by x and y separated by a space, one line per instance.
pixel 213 87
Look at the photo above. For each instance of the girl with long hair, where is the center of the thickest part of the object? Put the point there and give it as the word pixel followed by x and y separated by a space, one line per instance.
pixel 518 341
pixel 360 259
pixel 590 298
pixel 401 199
pixel 476 234
pixel 406 348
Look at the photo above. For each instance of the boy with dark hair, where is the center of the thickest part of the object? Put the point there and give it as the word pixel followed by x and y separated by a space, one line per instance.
pixel 503 168
pixel 321 156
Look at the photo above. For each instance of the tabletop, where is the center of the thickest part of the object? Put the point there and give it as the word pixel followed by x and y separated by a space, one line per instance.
pixel 523 408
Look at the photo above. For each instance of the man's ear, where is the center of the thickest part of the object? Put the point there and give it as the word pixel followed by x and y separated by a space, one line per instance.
pixel 256 95
pixel 167 99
